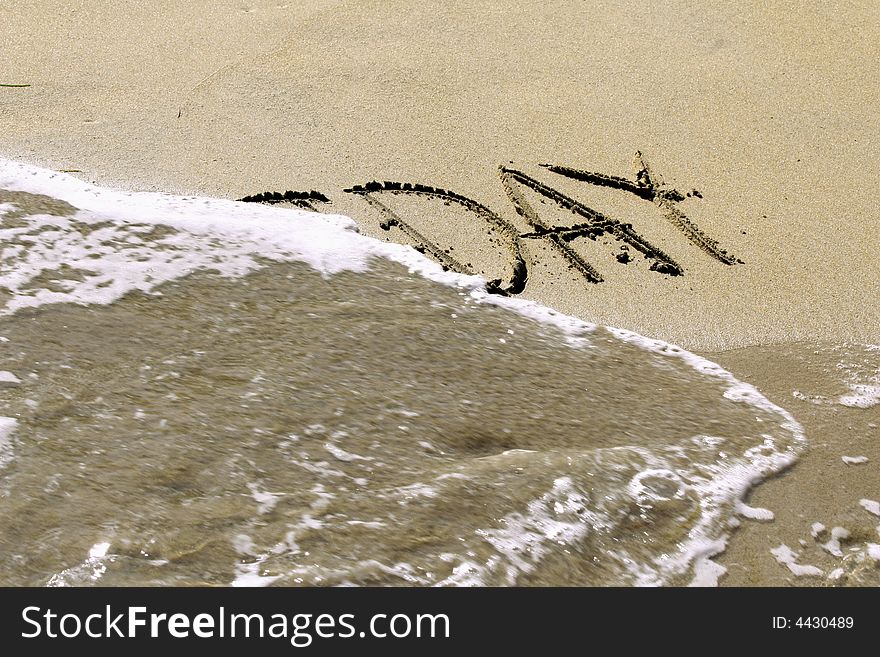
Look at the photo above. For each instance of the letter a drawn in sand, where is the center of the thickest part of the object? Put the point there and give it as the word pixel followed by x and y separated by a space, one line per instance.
pixel 647 186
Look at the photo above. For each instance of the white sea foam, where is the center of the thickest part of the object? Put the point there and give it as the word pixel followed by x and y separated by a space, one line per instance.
pixel 860 374
pixel 871 506
pixel 707 573
pixel 265 500
pixel 413 491
pixel 861 396
pixel 341 455
pixel 812 399
pixel 862 379
pixel 560 516
pixel 369 524
pixel 88 572
pixel 7 428
pixel 788 557
pixel 248 571
pixel 754 513
pixel 832 546
pixel 8 379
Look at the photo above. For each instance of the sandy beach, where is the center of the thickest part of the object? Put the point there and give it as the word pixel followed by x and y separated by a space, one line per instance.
pixel 757 125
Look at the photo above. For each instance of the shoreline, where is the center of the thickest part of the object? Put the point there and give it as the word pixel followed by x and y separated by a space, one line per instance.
pixel 832 390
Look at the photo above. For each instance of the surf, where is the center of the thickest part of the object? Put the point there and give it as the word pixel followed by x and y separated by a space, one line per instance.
pixel 217 392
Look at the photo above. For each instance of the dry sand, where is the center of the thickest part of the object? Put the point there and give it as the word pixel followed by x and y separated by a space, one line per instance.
pixel 771 113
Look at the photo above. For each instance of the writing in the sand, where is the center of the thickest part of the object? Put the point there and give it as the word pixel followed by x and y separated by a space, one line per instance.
pixel 593 224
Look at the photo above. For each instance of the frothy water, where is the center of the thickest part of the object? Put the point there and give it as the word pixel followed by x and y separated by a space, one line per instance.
pixel 857 373
pixel 208 392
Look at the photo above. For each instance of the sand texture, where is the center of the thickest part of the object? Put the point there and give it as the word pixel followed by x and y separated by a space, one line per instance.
pixel 747 227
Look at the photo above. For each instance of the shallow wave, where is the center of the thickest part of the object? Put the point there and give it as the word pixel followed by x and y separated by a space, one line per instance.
pixel 215 392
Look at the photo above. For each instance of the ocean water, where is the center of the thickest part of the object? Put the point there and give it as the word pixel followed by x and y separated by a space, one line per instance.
pixel 200 391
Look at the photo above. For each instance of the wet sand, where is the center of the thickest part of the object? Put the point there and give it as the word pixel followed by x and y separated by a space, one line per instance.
pixel 767 113
pixel 821 487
